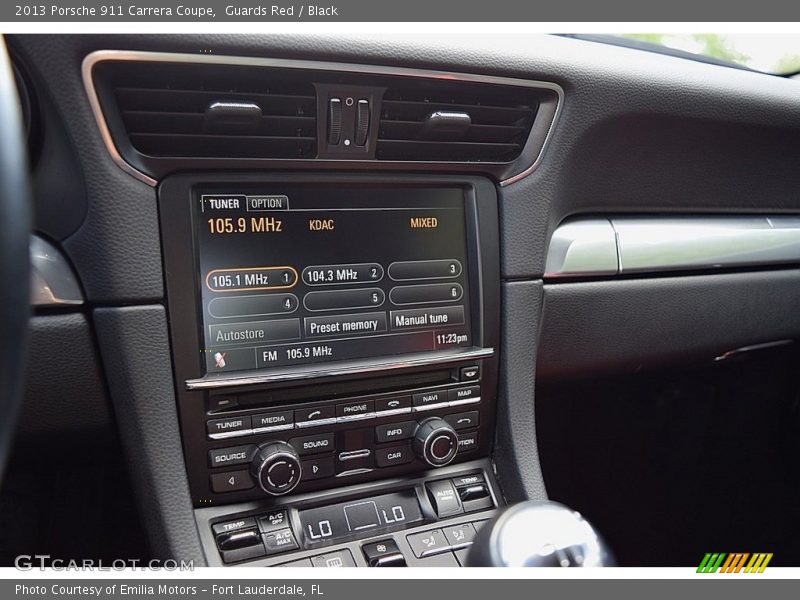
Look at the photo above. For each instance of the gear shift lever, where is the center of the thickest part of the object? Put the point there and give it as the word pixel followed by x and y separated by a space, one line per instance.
pixel 539 534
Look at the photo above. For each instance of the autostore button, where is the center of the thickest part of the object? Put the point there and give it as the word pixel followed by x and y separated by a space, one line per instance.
pixel 427 317
pixel 255 332
pixel 464 393
pixel 237 455
pixel 345 325
pixel 313 444
pixel 228 426
pixel 397 455
pixel 356 410
pixel 283 419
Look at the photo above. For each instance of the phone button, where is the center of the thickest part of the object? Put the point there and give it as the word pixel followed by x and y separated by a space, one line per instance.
pixel 310 417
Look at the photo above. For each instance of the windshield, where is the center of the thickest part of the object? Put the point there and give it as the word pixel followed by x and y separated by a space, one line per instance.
pixel 771 53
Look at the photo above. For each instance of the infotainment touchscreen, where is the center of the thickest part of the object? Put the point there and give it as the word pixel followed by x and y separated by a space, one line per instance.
pixel 307 274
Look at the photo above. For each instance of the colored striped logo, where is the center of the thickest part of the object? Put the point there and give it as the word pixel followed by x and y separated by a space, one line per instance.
pixel 736 562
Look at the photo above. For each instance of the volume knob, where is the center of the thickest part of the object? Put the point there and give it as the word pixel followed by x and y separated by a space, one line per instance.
pixel 435 442
pixel 276 468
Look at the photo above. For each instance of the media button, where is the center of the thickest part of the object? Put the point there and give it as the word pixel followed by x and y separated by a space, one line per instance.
pixel 229 427
pixel 313 444
pixel 312 417
pixel 273 421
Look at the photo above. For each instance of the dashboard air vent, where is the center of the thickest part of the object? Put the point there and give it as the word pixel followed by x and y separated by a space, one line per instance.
pixel 455 121
pixel 212 111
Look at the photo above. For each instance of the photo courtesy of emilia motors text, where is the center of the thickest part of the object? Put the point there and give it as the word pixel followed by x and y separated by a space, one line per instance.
pixel 352 298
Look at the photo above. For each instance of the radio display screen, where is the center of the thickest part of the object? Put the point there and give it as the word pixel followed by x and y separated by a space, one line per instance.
pixel 307 274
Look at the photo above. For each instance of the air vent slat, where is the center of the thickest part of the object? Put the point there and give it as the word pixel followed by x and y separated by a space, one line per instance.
pixel 421 150
pixel 168 110
pixel 455 121
pixel 176 122
pixel 400 130
pixel 223 146
pixel 192 101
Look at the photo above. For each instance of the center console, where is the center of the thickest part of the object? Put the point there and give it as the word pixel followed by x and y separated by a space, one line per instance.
pixel 335 348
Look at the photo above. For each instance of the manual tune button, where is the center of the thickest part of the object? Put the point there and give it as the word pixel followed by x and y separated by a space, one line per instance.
pixel 276 468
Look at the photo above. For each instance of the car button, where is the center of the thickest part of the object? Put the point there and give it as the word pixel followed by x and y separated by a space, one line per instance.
pixel 396 455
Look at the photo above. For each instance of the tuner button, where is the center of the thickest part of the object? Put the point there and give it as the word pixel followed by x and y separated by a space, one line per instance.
pixel 276 468
pixel 436 442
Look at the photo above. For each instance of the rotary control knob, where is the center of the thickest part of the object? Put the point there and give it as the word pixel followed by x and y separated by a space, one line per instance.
pixel 435 442
pixel 276 468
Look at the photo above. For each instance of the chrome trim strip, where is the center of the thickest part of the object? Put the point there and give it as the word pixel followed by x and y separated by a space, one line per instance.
pixel 680 243
pixel 752 348
pixel 584 247
pixel 272 428
pixel 427 407
pixel 53 282
pixel 99 56
pixel 393 412
pixel 205 383
pixel 354 472
pixel 351 418
pixel 317 423
pixel 353 454
pixel 581 248
pixel 454 403
pixel 230 434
